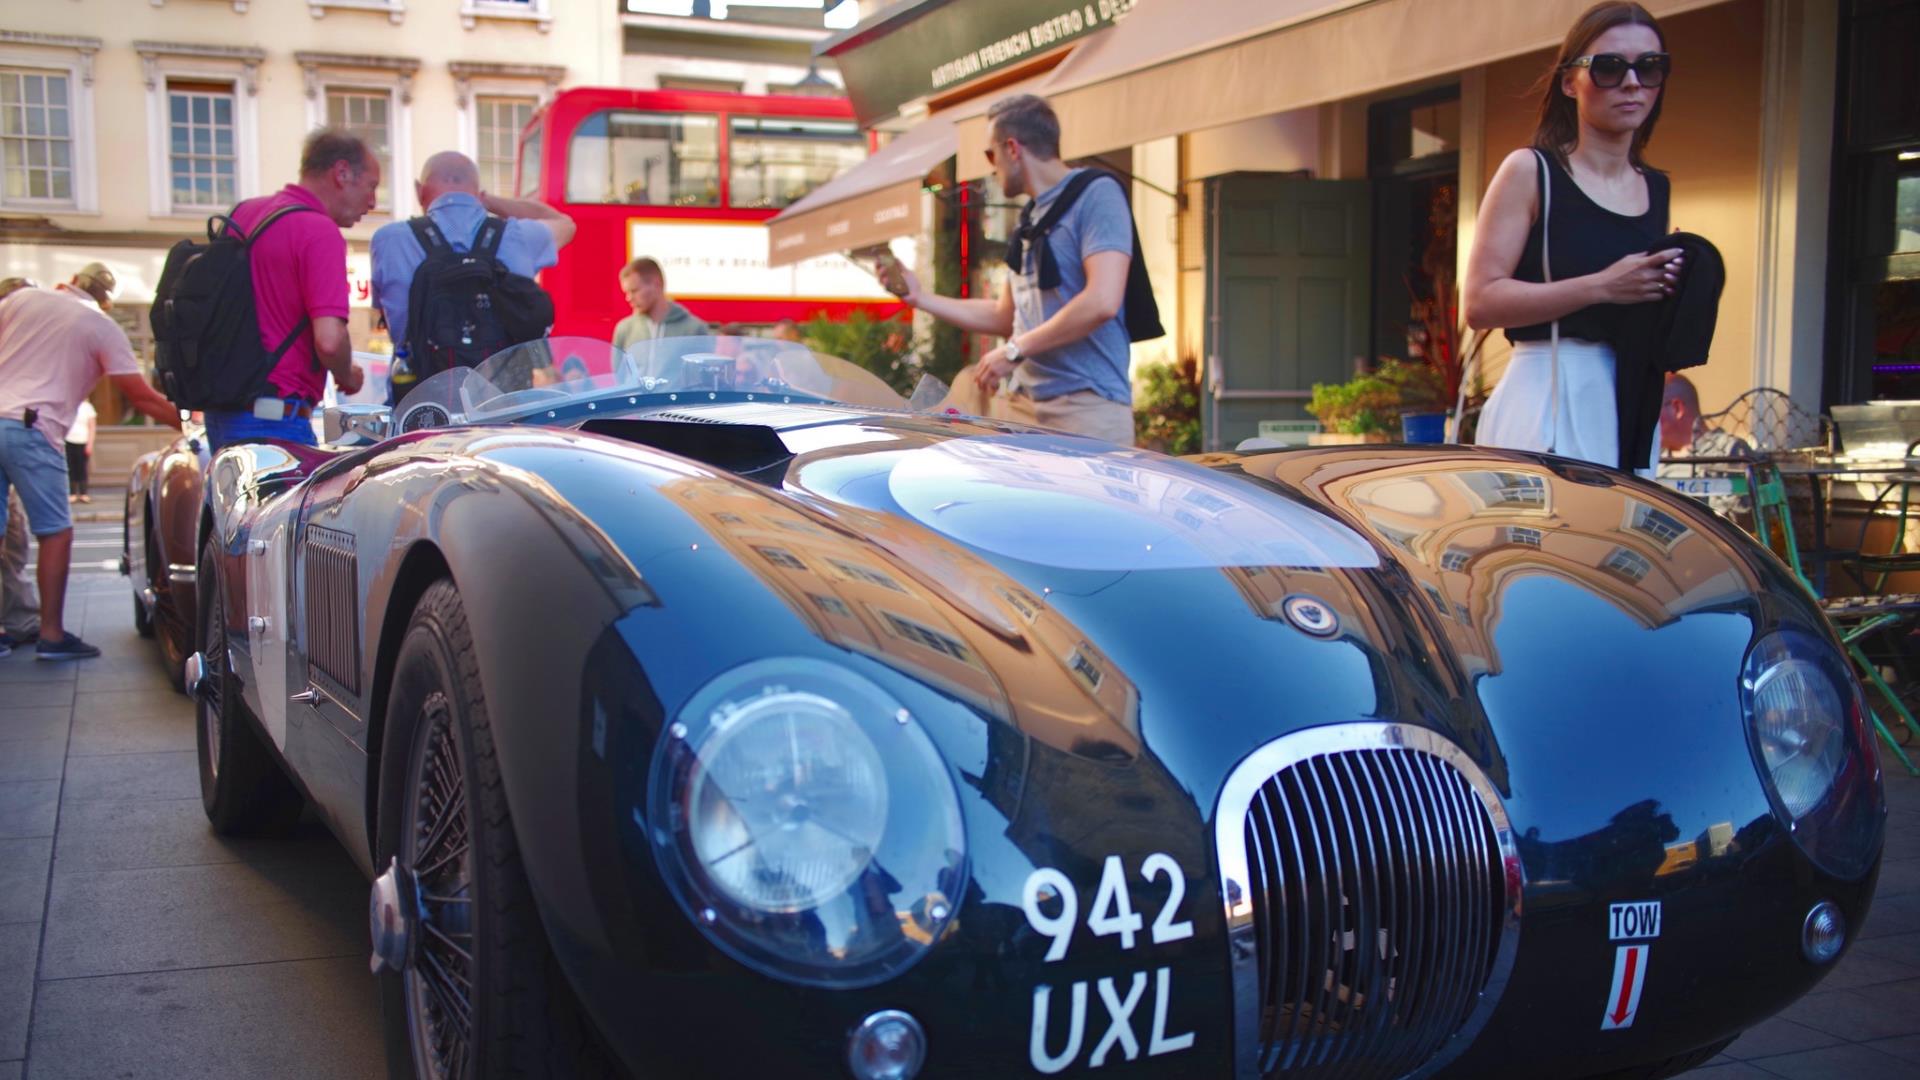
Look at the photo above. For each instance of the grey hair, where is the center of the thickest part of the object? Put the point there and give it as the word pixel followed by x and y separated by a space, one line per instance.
pixel 327 147
pixel 1028 120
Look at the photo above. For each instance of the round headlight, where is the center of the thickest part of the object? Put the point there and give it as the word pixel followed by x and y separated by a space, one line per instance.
pixel 1800 721
pixel 786 802
pixel 1813 748
pixel 807 824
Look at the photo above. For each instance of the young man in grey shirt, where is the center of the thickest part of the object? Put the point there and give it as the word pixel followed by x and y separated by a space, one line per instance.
pixel 1066 350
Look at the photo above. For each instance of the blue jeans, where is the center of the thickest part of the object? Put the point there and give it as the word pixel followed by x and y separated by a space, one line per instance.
pixel 226 428
pixel 29 462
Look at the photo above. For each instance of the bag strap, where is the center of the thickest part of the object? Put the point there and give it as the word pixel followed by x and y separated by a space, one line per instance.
pixel 487 241
pixel 425 231
pixel 1546 275
pixel 261 228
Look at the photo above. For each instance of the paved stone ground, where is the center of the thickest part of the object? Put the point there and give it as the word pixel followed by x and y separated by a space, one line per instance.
pixel 135 944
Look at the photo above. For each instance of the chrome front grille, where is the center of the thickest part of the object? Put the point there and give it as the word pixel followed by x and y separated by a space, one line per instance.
pixel 1372 893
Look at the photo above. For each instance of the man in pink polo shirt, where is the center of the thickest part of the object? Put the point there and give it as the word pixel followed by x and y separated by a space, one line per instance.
pixel 300 279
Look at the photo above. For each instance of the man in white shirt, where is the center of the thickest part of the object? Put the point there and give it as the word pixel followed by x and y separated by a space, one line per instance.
pixel 54 345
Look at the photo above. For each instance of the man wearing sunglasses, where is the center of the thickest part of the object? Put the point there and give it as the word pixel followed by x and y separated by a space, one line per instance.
pixel 1066 352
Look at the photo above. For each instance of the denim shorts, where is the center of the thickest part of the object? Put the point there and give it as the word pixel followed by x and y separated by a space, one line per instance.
pixel 29 462
pixel 226 428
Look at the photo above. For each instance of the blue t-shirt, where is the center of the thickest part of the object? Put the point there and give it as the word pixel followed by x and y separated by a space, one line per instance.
pixel 526 248
pixel 1098 221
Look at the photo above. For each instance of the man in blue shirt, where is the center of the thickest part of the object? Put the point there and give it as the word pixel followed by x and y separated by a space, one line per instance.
pixel 449 187
pixel 1067 347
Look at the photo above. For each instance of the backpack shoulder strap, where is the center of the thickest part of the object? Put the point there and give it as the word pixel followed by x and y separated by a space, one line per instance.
pixel 270 219
pixel 425 231
pixel 487 241
pixel 1076 184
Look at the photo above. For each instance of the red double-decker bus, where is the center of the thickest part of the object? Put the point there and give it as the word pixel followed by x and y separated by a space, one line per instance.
pixel 690 178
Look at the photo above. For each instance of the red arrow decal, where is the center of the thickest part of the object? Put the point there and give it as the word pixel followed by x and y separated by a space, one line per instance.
pixel 1626 987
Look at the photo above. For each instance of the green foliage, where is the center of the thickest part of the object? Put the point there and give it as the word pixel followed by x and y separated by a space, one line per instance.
pixel 882 346
pixel 1371 404
pixel 1166 410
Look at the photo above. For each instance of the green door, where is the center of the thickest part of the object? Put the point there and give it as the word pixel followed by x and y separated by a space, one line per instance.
pixel 1287 299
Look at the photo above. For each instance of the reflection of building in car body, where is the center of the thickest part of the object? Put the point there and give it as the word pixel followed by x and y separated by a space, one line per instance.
pixel 905 613
pixel 1440 517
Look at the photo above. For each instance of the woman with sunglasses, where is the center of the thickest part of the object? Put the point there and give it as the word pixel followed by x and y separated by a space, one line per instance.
pixel 1602 229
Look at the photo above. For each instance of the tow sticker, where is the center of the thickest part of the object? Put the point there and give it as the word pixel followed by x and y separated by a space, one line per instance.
pixel 1633 922
pixel 1623 1000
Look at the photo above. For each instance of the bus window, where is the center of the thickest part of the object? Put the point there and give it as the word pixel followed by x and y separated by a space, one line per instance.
pixel 774 160
pixel 530 163
pixel 654 159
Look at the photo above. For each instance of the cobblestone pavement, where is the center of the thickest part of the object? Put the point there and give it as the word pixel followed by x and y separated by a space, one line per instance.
pixel 135 944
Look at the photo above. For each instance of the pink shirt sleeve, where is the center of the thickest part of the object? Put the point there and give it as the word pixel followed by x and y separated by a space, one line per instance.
pixel 111 349
pixel 323 259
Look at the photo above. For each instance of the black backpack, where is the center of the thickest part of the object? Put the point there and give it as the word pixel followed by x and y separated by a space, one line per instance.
pixel 463 307
pixel 206 330
pixel 1139 309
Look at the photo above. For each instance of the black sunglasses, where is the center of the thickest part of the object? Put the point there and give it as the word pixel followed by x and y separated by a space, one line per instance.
pixel 1609 70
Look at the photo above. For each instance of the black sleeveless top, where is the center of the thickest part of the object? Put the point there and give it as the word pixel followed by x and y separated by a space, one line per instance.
pixel 1588 238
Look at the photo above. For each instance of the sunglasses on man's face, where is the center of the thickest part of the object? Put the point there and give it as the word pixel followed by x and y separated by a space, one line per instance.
pixel 1609 70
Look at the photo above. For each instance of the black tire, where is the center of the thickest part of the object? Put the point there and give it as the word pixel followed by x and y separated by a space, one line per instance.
pixel 242 786
pixel 172 628
pixel 142 624
pixel 521 1016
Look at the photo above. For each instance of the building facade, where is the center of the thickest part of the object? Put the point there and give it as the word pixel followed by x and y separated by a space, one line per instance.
pixel 126 124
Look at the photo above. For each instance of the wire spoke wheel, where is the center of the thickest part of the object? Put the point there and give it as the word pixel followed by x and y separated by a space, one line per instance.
pixel 437 852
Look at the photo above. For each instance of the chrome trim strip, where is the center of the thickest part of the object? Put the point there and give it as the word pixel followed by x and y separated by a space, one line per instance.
pixel 183 573
pixel 1237 797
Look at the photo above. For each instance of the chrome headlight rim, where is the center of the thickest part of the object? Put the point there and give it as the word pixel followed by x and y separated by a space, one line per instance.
pixel 887 912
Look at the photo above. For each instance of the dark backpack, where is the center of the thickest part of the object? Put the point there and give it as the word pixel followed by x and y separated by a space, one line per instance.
pixel 463 307
pixel 206 330
pixel 1140 311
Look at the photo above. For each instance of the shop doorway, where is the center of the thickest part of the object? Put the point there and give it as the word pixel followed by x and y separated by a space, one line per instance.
pixel 1288 272
pixel 1413 160
pixel 1873 321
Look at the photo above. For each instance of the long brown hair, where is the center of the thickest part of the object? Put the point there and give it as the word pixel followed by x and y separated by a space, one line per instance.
pixel 1558 131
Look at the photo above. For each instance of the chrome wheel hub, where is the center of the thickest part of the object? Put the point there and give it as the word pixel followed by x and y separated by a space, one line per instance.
pixel 391 909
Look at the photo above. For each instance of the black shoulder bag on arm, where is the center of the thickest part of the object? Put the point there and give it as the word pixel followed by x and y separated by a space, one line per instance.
pixel 463 307
pixel 1140 311
pixel 206 329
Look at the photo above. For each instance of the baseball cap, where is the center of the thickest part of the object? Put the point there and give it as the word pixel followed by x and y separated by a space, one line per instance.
pixel 96 275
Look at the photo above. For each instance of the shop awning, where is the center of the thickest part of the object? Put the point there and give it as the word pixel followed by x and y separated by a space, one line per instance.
pixel 878 199
pixel 1171 67
pixel 871 203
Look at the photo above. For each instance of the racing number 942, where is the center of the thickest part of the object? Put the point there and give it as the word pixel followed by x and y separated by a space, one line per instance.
pixel 1052 906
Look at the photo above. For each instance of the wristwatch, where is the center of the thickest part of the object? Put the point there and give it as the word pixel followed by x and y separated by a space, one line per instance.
pixel 1012 349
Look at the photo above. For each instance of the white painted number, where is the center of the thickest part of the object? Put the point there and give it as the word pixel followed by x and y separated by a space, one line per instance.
pixel 1119 1032
pixel 1112 908
pixel 1048 883
pixel 1164 928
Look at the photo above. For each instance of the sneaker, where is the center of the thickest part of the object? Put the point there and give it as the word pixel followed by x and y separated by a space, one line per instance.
pixel 67 648
pixel 6 644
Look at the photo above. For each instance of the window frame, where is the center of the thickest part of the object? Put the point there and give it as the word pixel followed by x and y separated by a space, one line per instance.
pixel 392 76
pixel 735 137
pixel 538 12
pixel 242 75
pixel 719 119
pixel 74 61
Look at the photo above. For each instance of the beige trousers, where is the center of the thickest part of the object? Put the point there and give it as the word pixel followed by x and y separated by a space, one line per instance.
pixel 1082 412
pixel 19 600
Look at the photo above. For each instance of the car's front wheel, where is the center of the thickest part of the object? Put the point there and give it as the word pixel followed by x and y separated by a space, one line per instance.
pixel 477 991
pixel 242 787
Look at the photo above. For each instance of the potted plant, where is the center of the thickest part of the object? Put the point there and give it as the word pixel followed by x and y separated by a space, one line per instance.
pixel 1369 407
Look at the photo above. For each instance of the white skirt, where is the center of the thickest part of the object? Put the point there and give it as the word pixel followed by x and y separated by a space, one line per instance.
pixel 1576 419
